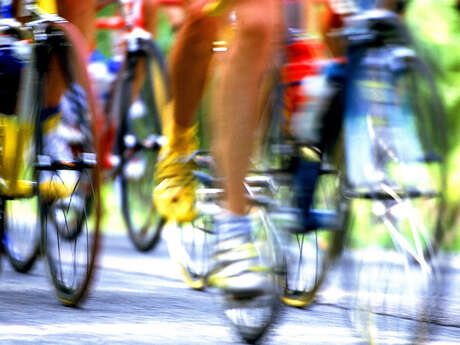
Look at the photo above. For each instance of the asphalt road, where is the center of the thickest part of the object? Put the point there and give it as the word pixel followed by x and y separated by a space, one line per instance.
pixel 140 299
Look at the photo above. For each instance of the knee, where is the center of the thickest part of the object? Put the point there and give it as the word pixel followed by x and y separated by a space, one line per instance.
pixel 256 30
pixel 202 32
pixel 205 28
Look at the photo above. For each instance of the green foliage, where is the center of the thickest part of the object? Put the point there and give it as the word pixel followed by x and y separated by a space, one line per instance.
pixel 103 37
pixel 112 222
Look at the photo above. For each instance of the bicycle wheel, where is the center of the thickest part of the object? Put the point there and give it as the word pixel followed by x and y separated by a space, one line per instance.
pixel 21 240
pixel 138 143
pixel 398 210
pixel 190 243
pixel 397 282
pixel 189 246
pixel 68 168
pixel 309 252
pixel 21 235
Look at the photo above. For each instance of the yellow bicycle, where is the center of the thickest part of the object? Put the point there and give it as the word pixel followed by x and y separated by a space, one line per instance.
pixel 49 172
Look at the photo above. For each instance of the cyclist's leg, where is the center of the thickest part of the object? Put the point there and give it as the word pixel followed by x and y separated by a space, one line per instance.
pixel 150 14
pixel 241 270
pixel 190 60
pixel 82 14
pixel 175 15
pixel 236 109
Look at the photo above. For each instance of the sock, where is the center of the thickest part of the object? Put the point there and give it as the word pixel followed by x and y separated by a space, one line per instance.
pixel 230 224
pixel 183 138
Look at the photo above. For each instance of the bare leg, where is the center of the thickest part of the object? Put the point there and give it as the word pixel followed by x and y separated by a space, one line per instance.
pixel 174 194
pixel 150 15
pixel 175 15
pixel 190 61
pixel 82 14
pixel 237 96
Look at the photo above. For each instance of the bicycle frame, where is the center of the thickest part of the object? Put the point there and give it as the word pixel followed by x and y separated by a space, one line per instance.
pixel 47 36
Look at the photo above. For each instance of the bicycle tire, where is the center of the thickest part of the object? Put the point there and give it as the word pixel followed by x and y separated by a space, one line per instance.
pixel 21 235
pixel 397 293
pixel 190 244
pixel 69 160
pixel 306 270
pixel 21 240
pixel 250 316
pixel 138 143
pixel 310 254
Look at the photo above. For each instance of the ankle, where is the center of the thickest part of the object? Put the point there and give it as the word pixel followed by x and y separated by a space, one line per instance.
pixel 231 224
pixel 183 138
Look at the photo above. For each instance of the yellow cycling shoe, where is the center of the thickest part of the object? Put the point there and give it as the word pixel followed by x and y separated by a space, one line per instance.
pixel 174 194
pixel 241 268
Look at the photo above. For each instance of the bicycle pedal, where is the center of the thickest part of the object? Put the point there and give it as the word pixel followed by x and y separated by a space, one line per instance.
pixel 206 179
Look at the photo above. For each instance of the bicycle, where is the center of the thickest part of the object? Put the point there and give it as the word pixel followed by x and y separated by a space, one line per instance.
pixel 396 132
pixel 301 168
pixel 130 133
pixel 63 183
pixel 134 110
pixel 394 179
pixel 192 247
pixel 190 243
pixel 385 103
